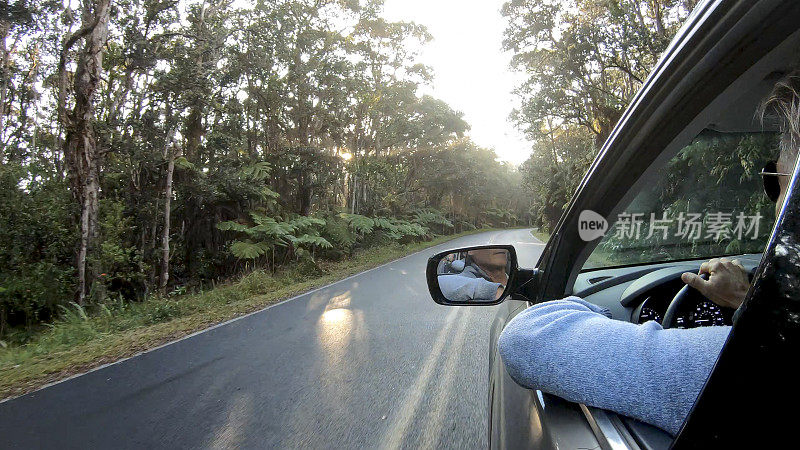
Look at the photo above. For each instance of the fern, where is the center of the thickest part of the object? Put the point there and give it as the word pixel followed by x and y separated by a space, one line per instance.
pixel 269 232
pixel 74 314
pixel 304 222
pixel 359 224
pixel 257 172
pixel 399 229
pixel 273 229
pixel 384 223
pixel 310 240
pixel 79 309
pixel 431 216
pixel 248 250
pixel 268 195
pixel 231 226
pixel 182 163
pixel 261 219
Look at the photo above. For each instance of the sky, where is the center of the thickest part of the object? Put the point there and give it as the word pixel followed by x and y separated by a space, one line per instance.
pixel 471 70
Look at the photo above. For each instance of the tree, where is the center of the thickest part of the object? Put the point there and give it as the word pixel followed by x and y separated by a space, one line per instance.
pixel 169 156
pixel 80 145
pixel 584 61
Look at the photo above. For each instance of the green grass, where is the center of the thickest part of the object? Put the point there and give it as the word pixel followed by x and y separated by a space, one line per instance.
pixel 543 236
pixel 80 341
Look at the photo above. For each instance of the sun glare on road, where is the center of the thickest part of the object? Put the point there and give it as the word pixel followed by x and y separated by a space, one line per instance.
pixel 339 329
pixel 335 325
pixel 336 318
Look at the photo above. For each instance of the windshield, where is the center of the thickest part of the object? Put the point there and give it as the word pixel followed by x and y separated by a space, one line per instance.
pixel 709 202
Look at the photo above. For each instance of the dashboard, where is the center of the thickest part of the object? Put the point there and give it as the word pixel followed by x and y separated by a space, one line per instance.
pixel 697 312
pixel 643 292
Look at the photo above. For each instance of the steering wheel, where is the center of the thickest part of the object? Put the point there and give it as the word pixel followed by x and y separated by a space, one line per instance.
pixel 679 299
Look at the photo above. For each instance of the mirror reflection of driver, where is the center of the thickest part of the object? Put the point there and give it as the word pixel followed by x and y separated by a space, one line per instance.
pixel 483 278
pixel 573 349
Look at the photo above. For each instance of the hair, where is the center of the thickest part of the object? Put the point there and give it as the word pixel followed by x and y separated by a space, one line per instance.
pixel 784 102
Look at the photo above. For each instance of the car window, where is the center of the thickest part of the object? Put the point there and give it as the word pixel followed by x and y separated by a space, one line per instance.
pixel 708 202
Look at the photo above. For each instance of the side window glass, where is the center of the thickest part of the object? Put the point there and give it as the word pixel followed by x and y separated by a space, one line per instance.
pixel 709 202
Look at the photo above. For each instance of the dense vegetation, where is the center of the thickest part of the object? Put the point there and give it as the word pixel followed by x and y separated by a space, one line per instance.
pixel 584 60
pixel 156 146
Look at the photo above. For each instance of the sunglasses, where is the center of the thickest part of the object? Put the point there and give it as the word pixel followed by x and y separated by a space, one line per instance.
pixel 770 176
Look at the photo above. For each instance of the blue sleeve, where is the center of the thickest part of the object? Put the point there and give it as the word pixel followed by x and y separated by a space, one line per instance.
pixel 570 348
pixel 458 288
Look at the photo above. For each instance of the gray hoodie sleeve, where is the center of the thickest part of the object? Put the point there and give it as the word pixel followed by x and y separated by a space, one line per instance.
pixel 458 288
pixel 572 349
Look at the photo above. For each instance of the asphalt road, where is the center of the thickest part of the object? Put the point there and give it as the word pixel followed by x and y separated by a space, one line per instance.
pixel 367 362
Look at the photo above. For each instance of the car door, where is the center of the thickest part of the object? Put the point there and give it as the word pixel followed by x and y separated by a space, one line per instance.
pixel 723 47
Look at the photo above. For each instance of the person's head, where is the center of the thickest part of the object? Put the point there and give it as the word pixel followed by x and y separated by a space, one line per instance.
pixel 784 102
pixel 490 259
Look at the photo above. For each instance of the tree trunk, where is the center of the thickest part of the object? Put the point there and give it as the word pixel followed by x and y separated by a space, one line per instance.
pixel 151 247
pixel 80 146
pixel 194 132
pixel 658 18
pixel 5 25
pixel 169 155
pixel 305 193
pixel 354 188
pixel 194 121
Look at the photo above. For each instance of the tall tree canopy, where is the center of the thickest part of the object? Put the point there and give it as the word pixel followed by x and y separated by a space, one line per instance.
pixel 584 60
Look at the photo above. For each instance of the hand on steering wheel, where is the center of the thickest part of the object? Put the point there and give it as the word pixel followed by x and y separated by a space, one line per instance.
pixel 727 282
pixel 679 299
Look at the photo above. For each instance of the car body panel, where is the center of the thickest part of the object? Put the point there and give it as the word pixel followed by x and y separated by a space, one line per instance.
pixel 525 418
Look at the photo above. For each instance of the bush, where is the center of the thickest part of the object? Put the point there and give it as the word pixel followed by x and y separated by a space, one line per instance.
pixel 36 248
pixel 338 233
pixel 163 311
pixel 118 265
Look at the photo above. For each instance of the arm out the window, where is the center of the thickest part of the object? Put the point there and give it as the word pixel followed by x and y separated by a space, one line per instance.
pixel 572 349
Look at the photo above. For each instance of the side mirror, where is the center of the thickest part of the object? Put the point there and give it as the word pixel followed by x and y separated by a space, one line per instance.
pixel 482 275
